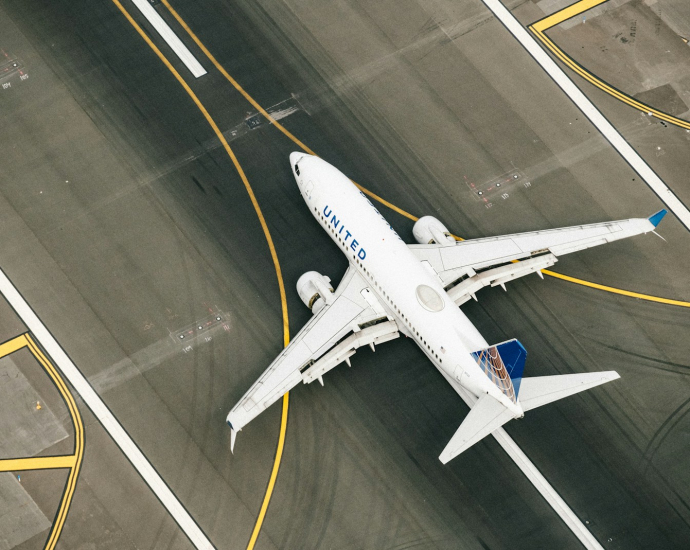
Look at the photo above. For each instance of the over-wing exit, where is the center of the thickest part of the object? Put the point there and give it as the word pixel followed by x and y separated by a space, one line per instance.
pixel 391 288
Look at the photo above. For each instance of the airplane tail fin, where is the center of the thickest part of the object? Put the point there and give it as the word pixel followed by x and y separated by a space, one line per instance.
pixel 504 365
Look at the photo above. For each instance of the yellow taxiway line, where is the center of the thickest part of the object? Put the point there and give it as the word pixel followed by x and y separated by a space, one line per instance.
pixel 231 80
pixel 540 27
pixel 262 220
pixel 73 461
pixel 566 13
pixel 289 135
pixel 37 463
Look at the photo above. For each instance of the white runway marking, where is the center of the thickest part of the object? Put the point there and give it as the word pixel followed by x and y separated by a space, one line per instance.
pixel 637 163
pixel 103 414
pixel 547 491
pixel 652 180
pixel 170 37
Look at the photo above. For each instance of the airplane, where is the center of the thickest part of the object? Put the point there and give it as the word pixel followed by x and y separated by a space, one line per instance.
pixel 392 288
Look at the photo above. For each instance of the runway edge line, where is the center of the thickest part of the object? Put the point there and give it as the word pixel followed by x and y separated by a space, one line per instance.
pixel 103 414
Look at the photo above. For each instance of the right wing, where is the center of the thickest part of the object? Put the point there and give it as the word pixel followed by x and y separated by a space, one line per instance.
pixel 354 318
pixel 492 260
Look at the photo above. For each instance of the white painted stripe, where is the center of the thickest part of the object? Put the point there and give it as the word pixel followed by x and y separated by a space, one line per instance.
pixel 101 411
pixel 591 112
pixel 533 475
pixel 170 37
pixel 547 491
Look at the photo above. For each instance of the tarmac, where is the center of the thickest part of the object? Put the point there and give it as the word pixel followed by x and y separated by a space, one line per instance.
pixel 126 225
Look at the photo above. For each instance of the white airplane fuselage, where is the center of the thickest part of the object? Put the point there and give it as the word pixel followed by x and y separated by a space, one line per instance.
pixel 411 292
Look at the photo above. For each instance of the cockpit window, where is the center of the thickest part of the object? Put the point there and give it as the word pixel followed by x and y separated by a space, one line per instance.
pixel 297 169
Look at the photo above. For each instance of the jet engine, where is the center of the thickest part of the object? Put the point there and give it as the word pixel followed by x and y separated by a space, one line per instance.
pixel 314 290
pixel 428 230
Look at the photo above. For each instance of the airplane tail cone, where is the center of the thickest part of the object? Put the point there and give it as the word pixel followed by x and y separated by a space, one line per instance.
pixel 233 436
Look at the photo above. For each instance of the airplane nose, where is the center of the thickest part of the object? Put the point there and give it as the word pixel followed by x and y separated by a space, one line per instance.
pixel 296 157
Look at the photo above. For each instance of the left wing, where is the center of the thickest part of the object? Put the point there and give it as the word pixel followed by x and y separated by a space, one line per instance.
pixel 476 263
pixel 354 318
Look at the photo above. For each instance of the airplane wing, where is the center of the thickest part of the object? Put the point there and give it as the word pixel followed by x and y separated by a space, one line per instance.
pixel 354 318
pixel 476 263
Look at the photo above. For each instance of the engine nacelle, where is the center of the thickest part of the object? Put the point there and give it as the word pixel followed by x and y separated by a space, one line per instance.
pixel 428 230
pixel 314 290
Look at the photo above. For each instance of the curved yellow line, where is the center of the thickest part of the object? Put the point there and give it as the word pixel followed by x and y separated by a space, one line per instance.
pixel 386 203
pixel 257 209
pixel 260 109
pixel 614 290
pixel 540 27
pixel 73 462
pixel 274 474
pixel 71 484
pixel 231 154
pixel 573 11
pixel 232 81
pixel 412 217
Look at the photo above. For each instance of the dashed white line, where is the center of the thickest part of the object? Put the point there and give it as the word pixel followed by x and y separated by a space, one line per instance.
pixel 637 163
pixel 170 37
pixel 103 414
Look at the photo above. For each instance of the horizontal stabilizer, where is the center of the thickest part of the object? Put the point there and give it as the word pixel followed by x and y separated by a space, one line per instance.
pixel 487 415
pixel 540 390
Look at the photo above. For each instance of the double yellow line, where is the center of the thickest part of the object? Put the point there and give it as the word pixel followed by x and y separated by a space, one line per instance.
pixel 72 461
pixel 539 29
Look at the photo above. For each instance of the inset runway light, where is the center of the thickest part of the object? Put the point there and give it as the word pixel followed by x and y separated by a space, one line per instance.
pixel 218 318
pixel 181 336
pixel 200 327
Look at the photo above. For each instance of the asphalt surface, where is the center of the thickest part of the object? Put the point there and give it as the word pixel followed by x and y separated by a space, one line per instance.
pixel 126 224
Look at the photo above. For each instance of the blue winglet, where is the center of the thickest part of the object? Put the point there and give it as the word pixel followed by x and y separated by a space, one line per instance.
pixel 656 218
